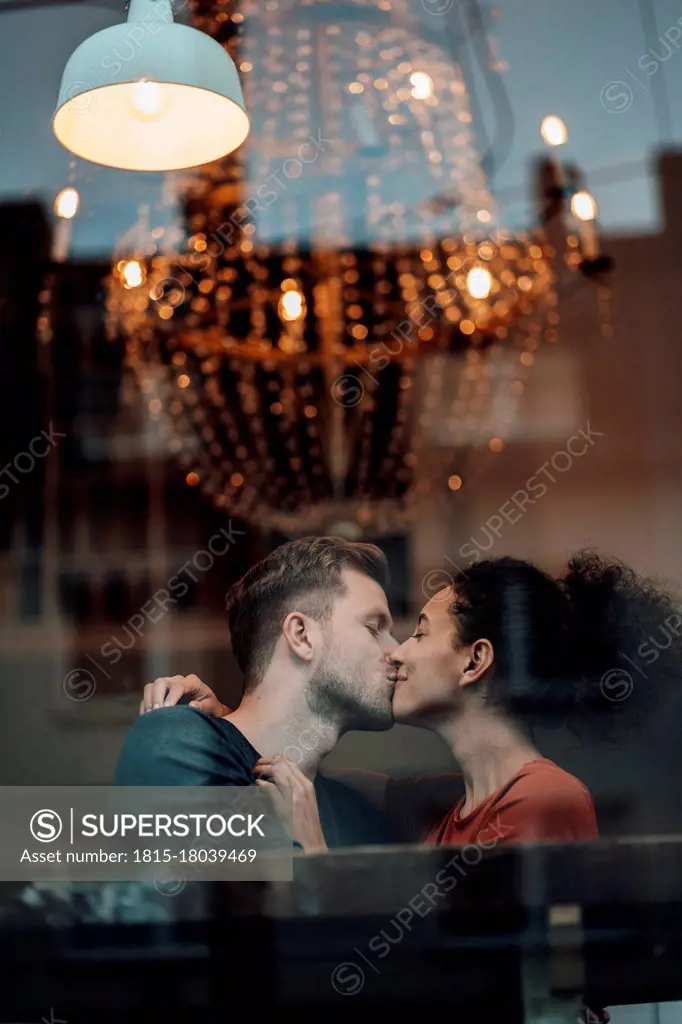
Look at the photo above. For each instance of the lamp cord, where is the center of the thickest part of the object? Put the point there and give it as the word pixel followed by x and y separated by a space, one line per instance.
pixel 659 92
pixel 499 149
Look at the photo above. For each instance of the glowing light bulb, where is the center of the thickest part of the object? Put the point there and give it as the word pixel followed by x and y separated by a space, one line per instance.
pixel 66 204
pixel 479 283
pixel 149 100
pixel 583 206
pixel 292 305
pixel 584 209
pixel 422 85
pixel 132 273
pixel 553 131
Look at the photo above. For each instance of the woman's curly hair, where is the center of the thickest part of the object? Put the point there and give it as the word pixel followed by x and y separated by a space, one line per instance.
pixel 600 640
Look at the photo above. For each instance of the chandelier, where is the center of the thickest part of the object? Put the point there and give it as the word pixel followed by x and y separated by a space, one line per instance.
pixel 294 332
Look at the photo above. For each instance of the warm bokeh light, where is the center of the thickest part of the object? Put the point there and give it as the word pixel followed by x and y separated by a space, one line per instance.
pixel 484 284
pixel 292 305
pixel 66 204
pixel 422 85
pixel 192 479
pixel 132 273
pixel 553 131
pixel 479 282
pixel 583 206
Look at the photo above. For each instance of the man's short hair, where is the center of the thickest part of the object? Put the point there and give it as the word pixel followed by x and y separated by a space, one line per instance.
pixel 303 575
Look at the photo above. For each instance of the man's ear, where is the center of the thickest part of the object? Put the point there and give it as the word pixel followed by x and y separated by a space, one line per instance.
pixel 298 633
pixel 480 660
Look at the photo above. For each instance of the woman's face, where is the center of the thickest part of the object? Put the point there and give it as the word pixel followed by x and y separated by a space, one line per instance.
pixel 430 670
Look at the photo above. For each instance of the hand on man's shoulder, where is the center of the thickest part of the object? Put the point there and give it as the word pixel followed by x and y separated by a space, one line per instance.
pixel 176 713
pixel 182 746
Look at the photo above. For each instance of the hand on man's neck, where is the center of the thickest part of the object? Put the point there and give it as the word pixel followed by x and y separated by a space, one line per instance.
pixel 276 719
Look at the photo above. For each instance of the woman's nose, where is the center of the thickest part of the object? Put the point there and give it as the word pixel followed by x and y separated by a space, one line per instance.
pixel 394 660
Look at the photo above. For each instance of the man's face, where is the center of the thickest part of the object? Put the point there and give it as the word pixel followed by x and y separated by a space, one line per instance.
pixel 429 668
pixel 355 674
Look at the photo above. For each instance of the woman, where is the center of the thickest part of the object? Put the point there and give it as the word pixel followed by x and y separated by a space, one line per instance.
pixel 501 649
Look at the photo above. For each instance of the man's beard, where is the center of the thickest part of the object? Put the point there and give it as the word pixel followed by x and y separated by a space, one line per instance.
pixel 339 694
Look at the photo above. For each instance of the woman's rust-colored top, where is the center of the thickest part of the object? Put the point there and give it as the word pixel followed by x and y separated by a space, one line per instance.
pixel 540 803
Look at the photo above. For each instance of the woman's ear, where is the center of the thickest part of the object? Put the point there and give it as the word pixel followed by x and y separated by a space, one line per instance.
pixel 298 633
pixel 480 660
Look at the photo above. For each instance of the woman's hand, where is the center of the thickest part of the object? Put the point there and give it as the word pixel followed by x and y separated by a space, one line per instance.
pixel 167 691
pixel 279 775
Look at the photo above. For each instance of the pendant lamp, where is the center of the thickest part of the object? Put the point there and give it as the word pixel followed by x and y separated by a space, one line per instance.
pixel 150 95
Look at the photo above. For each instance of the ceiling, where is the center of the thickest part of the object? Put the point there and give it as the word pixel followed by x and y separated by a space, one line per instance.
pixel 20 5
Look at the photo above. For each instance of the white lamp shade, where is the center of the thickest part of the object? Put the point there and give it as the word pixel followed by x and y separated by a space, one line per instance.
pixel 150 95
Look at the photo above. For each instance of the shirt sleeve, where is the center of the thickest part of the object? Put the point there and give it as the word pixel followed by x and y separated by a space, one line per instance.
pixel 536 810
pixel 179 746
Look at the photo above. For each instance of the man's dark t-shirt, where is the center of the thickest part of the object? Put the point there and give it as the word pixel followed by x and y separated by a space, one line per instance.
pixel 182 746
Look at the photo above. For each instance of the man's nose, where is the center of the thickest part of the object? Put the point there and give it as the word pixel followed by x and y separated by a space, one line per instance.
pixel 390 644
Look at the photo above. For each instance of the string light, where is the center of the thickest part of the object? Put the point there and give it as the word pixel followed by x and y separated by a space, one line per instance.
pixel 479 282
pixel 584 209
pixel 133 274
pixel 553 131
pixel 66 204
pixel 292 305
pixel 583 206
pixel 422 85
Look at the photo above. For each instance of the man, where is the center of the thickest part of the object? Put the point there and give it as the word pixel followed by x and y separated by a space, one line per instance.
pixel 311 632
